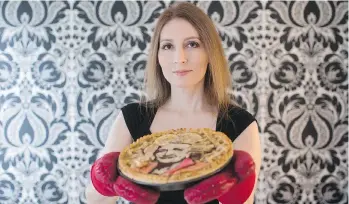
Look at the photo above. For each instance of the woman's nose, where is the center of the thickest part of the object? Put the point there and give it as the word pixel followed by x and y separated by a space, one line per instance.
pixel 180 56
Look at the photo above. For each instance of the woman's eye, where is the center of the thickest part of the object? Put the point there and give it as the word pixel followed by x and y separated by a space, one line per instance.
pixel 166 47
pixel 193 44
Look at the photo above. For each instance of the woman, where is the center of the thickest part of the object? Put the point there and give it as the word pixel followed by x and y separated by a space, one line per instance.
pixel 187 78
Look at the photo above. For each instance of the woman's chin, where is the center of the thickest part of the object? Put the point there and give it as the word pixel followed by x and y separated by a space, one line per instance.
pixel 183 85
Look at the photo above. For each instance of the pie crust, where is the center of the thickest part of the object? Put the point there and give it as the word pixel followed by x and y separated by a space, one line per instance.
pixel 176 155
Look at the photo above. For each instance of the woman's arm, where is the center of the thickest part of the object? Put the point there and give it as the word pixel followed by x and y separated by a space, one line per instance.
pixel 249 141
pixel 118 138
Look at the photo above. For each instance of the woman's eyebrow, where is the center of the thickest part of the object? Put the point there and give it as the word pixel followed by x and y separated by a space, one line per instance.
pixel 187 38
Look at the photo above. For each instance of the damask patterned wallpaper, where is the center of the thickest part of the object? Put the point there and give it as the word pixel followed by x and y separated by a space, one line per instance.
pixel 66 67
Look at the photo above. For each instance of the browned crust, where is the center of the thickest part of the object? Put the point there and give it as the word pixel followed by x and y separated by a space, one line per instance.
pixel 218 163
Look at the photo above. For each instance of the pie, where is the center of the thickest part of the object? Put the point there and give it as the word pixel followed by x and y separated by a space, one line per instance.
pixel 176 155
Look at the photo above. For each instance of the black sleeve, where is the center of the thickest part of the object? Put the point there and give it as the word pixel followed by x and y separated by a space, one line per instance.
pixel 132 116
pixel 239 120
pixel 242 120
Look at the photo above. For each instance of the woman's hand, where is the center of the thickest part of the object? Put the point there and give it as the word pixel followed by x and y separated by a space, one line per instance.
pixel 233 185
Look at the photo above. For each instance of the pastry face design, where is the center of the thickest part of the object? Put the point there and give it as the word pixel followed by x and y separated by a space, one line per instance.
pixel 175 155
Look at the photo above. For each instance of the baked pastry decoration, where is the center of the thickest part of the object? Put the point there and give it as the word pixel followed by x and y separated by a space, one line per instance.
pixel 176 155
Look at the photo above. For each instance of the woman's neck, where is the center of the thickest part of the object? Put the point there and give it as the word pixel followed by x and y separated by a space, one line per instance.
pixel 187 99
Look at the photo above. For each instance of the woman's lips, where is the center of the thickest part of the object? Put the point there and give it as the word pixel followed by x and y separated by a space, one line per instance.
pixel 182 72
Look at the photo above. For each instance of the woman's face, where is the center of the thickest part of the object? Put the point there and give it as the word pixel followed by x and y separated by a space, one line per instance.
pixel 182 56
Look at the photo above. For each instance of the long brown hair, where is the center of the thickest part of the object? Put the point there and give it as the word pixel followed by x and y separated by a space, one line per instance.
pixel 217 77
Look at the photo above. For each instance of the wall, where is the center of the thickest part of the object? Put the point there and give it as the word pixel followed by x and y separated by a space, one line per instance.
pixel 67 67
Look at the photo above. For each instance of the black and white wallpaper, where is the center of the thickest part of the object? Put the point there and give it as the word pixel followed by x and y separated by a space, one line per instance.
pixel 67 67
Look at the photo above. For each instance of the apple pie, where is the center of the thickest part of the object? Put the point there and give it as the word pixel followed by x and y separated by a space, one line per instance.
pixel 176 155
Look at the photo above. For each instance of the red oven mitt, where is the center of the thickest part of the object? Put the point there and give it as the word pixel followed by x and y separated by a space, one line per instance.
pixel 106 181
pixel 233 185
